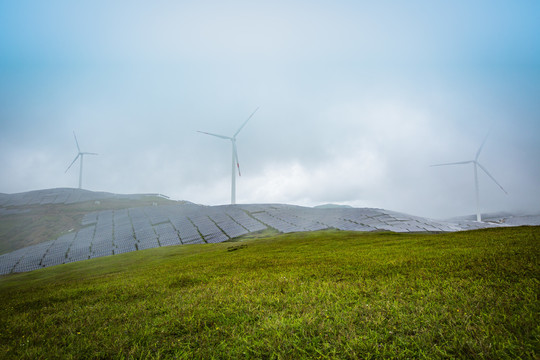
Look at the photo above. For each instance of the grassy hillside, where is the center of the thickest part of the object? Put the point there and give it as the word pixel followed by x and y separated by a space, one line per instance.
pixel 308 295
pixel 41 223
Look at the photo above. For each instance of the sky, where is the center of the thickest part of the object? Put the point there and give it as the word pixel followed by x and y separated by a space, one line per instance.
pixel 356 100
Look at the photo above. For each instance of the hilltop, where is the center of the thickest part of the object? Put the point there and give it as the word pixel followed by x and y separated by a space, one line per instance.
pixel 34 217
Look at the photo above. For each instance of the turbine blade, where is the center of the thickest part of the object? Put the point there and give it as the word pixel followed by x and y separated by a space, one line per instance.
pixel 245 122
pixel 481 146
pixel 454 163
pixel 73 162
pixel 216 135
pixel 89 153
pixel 236 157
pixel 491 176
pixel 76 142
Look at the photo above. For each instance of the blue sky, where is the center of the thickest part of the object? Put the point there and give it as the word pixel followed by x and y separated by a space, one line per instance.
pixel 356 100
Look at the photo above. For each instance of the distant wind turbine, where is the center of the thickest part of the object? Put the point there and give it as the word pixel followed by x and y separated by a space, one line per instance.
pixel 234 155
pixel 476 165
pixel 80 155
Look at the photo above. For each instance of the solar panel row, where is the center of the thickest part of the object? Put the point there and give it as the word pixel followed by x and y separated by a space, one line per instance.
pixel 186 230
pixel 167 235
pixel 228 225
pixel 276 223
pixel 206 227
pixel 246 221
pixel 304 220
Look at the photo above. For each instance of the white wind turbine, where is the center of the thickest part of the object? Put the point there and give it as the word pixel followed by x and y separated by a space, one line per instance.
pixel 234 155
pixel 476 165
pixel 80 155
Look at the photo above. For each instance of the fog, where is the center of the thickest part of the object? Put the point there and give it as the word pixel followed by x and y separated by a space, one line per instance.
pixel 356 100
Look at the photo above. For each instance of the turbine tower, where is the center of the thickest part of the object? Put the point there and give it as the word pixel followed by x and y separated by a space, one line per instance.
pixel 476 165
pixel 80 155
pixel 234 155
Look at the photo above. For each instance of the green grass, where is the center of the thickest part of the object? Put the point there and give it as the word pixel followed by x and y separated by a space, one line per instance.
pixel 328 295
pixel 47 222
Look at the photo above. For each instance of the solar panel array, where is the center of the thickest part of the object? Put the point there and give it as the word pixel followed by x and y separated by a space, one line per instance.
pixel 112 232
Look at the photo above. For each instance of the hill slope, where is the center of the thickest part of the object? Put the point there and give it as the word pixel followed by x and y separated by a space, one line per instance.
pixel 35 217
pixel 56 226
pixel 51 227
pixel 329 294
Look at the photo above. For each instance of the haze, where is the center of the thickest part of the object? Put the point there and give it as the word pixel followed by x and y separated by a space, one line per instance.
pixel 356 100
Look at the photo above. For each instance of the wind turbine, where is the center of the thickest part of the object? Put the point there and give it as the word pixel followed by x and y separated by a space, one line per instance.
pixel 234 155
pixel 476 165
pixel 80 155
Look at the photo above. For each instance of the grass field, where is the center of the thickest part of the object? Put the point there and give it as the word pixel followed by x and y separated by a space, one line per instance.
pixel 327 295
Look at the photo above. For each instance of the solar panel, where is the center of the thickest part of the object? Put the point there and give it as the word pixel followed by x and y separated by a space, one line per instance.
pixel 66 239
pixel 147 244
pixel 125 249
pixel 190 241
pixel 165 228
pixel 190 238
pixel 299 220
pixel 228 225
pixel 157 215
pixel 169 240
pixel 276 223
pixel 123 235
pixel 246 221
pixel 101 253
pixel 51 261
pixel 216 238
pixel 204 225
